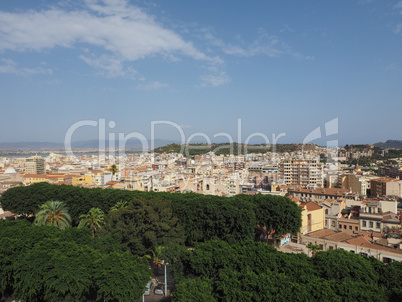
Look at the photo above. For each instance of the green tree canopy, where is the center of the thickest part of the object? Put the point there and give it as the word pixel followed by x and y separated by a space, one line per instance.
pixel 277 213
pixel 254 271
pixel 143 226
pixel 213 217
pixel 202 217
pixel 196 290
pixel 43 263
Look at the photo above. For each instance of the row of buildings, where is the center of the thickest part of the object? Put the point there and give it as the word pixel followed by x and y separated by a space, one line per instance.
pixel 335 198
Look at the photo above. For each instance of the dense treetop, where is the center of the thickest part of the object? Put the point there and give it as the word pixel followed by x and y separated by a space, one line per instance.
pixel 254 271
pixel 223 263
pixel 200 217
pixel 43 263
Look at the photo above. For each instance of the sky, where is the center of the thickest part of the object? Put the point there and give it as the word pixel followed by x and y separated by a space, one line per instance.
pixel 218 70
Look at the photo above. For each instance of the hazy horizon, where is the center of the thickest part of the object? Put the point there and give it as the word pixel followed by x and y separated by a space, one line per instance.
pixel 279 66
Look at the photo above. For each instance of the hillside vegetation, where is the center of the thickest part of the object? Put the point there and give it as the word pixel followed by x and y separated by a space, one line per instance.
pixel 226 149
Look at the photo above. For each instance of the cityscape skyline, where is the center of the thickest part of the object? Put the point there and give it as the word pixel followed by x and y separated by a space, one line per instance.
pixel 279 67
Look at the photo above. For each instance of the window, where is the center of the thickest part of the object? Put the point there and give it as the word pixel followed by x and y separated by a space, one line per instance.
pixel 350 227
pixel 326 222
pixel 356 228
pixel 364 224
pixel 321 247
pixel 378 225
pixel 344 226
pixel 340 226
pixel 331 247
pixel 333 223
pixel 371 224
pixel 326 212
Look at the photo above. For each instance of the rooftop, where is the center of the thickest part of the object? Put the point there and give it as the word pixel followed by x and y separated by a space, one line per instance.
pixel 310 206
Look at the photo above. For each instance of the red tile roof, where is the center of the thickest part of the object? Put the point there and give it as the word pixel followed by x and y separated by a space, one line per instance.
pixel 310 206
pixel 112 182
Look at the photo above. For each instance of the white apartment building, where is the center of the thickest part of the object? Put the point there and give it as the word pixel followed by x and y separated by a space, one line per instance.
pixel 304 172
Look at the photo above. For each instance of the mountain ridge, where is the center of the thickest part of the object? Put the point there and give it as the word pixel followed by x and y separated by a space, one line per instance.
pixel 390 144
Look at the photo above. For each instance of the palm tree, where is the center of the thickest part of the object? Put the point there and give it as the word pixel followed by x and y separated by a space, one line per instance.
pixel 53 213
pixel 119 205
pixel 156 258
pixel 113 169
pixel 157 255
pixel 93 220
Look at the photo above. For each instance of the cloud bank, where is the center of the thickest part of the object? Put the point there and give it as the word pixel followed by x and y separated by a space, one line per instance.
pixel 124 31
pixel 113 25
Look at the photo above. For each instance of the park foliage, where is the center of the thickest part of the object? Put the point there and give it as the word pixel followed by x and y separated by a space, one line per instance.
pixel 207 241
pixel 163 217
pixel 254 271
pixel 44 263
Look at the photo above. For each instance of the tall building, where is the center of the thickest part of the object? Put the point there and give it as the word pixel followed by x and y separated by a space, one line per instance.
pixel 386 187
pixel 304 172
pixel 35 165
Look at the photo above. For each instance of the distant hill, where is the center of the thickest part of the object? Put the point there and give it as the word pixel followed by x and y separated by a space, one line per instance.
pixel 132 144
pixel 31 146
pixel 218 149
pixel 395 144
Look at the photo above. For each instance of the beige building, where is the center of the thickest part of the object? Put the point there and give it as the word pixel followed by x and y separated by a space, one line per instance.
pixel 35 165
pixel 50 178
pixel 82 179
pixel 11 175
pixel 135 183
pixel 332 210
pixel 362 244
pixel 213 186
pixel 304 172
pixel 386 187
pixel 312 217
pixel 356 183
pixel 318 195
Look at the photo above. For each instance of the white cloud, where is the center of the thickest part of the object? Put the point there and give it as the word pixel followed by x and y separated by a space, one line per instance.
pixel 152 86
pixel 10 67
pixel 398 5
pixel 391 67
pixel 265 44
pixel 124 30
pixel 286 28
pixel 110 67
pixel 215 80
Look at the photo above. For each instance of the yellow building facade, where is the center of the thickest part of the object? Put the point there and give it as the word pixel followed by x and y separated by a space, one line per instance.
pixel 313 217
pixel 82 179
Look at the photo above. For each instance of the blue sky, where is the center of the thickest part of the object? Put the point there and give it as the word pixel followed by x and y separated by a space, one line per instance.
pixel 279 66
